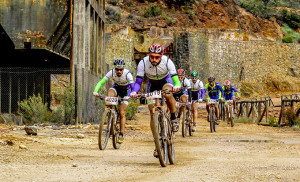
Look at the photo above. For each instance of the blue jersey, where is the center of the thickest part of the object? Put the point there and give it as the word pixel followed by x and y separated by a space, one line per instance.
pixel 229 93
pixel 215 91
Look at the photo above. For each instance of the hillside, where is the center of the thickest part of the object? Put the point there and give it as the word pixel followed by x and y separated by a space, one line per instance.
pixel 223 14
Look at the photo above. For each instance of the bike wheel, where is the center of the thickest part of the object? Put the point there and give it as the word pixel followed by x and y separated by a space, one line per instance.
pixel 104 129
pixel 116 133
pixel 183 123
pixel 214 120
pixel 231 117
pixel 160 139
pixel 211 120
pixel 171 148
pixel 191 124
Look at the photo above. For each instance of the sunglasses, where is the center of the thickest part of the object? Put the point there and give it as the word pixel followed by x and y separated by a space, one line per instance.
pixel 119 69
pixel 155 57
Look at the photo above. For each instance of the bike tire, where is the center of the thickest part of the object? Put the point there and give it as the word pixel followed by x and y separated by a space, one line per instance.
pixel 116 132
pixel 211 120
pixel 183 124
pixel 214 120
pixel 231 117
pixel 171 148
pixel 160 142
pixel 191 124
pixel 104 129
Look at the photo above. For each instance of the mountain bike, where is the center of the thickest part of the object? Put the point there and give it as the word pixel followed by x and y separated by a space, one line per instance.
pixel 187 118
pixel 110 122
pixel 212 114
pixel 162 128
pixel 229 113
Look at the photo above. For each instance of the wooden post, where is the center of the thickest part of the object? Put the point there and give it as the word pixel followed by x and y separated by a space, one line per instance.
pixel 76 95
pixel 242 109
pixel 247 109
pixel 9 95
pixel 251 109
pixel 283 113
pixel 259 110
pixel 267 111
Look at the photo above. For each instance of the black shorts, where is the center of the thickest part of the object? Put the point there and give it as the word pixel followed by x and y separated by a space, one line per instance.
pixel 156 85
pixel 122 91
pixel 177 95
pixel 195 95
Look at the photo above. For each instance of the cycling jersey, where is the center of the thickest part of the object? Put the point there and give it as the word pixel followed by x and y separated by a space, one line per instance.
pixel 185 89
pixel 165 71
pixel 214 91
pixel 229 93
pixel 198 91
pixel 124 81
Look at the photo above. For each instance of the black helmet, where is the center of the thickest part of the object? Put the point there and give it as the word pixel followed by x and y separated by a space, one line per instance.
pixel 211 79
pixel 119 62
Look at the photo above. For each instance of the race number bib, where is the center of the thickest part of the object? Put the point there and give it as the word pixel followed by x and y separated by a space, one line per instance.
pixel 153 95
pixel 111 100
pixel 229 101
pixel 212 101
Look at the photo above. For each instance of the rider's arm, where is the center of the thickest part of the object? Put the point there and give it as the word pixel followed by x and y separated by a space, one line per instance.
pixel 235 90
pixel 189 88
pixel 103 81
pixel 130 80
pixel 221 89
pixel 173 73
pixel 139 76
pixel 202 90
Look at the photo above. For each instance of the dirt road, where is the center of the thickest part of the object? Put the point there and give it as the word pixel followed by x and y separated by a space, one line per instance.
pixel 247 152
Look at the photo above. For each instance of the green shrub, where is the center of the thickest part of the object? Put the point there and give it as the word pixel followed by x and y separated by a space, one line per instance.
pixel 113 2
pixel 131 110
pixel 258 8
pixel 191 14
pixel 273 122
pixel 291 118
pixel 112 16
pixel 34 110
pixel 243 120
pixel 180 2
pixel 291 18
pixel 67 100
pixel 288 39
pixel 153 10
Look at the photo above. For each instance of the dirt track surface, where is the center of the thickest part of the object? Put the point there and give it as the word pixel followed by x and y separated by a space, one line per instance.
pixel 247 152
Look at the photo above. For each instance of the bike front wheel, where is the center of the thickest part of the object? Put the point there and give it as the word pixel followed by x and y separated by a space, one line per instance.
pixel 104 129
pixel 116 134
pixel 160 138
pixel 184 123
pixel 231 117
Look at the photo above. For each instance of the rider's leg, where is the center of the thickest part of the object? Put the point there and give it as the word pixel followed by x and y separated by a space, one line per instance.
pixel 217 110
pixel 123 107
pixel 183 99
pixel 150 107
pixel 227 111
pixel 169 98
pixel 112 92
pixel 234 104
pixel 195 111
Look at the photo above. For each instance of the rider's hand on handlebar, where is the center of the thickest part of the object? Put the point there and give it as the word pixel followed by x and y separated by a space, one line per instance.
pixel 176 89
pixel 134 95
pixel 200 100
pixel 96 94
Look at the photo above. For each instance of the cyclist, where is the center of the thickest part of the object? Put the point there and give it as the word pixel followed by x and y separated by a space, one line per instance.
pixel 229 94
pixel 185 93
pixel 198 93
pixel 214 89
pixel 161 73
pixel 123 84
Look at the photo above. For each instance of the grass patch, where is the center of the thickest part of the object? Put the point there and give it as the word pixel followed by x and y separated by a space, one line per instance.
pixel 153 10
pixel 243 120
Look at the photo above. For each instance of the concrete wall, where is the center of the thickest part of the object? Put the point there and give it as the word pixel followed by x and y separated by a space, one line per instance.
pixel 35 20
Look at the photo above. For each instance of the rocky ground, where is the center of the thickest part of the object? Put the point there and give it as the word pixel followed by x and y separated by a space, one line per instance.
pixel 246 152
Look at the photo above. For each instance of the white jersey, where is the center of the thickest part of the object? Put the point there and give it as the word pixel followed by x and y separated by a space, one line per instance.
pixel 196 86
pixel 125 79
pixel 165 67
pixel 186 83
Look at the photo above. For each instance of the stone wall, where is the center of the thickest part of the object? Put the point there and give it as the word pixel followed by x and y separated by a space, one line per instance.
pixel 226 54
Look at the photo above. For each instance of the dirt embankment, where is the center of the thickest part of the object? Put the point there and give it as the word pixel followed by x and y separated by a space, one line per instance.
pixel 247 152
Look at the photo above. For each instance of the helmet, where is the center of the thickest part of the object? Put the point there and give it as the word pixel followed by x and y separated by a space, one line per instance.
pixel 227 83
pixel 211 79
pixel 156 48
pixel 119 63
pixel 181 72
pixel 194 74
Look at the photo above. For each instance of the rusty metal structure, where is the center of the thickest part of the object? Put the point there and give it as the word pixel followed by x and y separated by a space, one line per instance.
pixel 50 37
